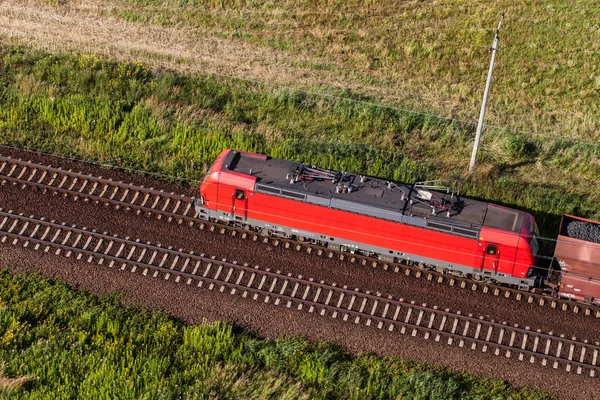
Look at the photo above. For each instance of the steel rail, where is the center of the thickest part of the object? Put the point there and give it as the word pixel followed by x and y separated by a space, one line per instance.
pixel 181 209
pixel 431 323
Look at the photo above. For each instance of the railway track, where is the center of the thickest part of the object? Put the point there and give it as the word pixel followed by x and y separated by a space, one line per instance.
pixel 352 305
pixel 179 208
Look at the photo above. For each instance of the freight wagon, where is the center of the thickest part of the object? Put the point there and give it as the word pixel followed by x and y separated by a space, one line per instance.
pixel 578 256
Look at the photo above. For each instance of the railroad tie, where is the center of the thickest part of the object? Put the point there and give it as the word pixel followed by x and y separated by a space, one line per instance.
pixel 206 272
pixel 151 262
pixel 189 280
pixel 350 305
pixel 536 342
pixel 431 320
pixel 454 326
pixel 500 340
pixel 173 264
pixel 33 172
pixel 594 361
pixel 386 308
pixel 93 188
pixel 34 232
pixel 260 285
pixel 25 225
pixel 570 356
pixel 65 240
pixel 407 318
pixel 305 294
pixel 129 255
pixel 119 251
pixel 395 317
pixel 73 183
pixel 546 351
pixel 461 342
pixel 511 341
pixel 84 247
pixel 189 206
pixel 239 279
pixel 11 170
pixel 167 202
pixel 418 322
pixel 23 170
pixel 140 258
pixel 339 302
pixel 15 222
pixel 524 343
pixel 558 351
pixel 327 300
pixel 114 193
pixel 582 356
pixel 361 308
pixel 249 284
pixel 53 240
pixel 62 182
pixel 185 265
pixel 294 290
pixel 315 298
pixel 373 309
pixel 98 244
pixel 283 288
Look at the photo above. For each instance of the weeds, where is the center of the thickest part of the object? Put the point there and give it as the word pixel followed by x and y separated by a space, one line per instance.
pixel 80 346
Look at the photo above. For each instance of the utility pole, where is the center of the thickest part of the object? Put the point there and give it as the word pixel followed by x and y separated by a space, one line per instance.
pixel 485 97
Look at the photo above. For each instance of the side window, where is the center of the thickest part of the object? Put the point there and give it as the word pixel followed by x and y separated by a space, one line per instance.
pixel 492 249
pixel 239 194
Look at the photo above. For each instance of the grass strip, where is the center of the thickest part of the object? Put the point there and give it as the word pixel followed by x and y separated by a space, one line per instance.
pixel 74 345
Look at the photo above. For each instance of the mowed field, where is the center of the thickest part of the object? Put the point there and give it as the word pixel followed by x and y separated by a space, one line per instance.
pixel 334 83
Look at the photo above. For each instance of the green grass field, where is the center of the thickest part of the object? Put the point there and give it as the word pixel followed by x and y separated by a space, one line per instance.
pixel 56 342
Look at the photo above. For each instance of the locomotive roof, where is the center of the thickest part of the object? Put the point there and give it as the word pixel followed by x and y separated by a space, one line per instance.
pixel 421 205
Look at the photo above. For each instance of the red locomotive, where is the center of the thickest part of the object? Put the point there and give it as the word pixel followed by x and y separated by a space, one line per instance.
pixel 422 224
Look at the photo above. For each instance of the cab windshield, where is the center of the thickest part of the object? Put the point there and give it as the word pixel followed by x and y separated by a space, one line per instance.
pixel 534 243
pixel 206 174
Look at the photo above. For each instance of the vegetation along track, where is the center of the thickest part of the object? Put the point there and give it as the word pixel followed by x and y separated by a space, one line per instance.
pixel 180 208
pixel 541 349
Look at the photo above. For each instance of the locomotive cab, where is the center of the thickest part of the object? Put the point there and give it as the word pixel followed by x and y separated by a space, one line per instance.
pixel 225 193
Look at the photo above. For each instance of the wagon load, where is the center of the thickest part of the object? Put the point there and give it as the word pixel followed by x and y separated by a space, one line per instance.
pixel 578 254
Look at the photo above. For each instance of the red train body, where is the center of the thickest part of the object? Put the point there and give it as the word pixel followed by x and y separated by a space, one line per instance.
pixel 422 224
